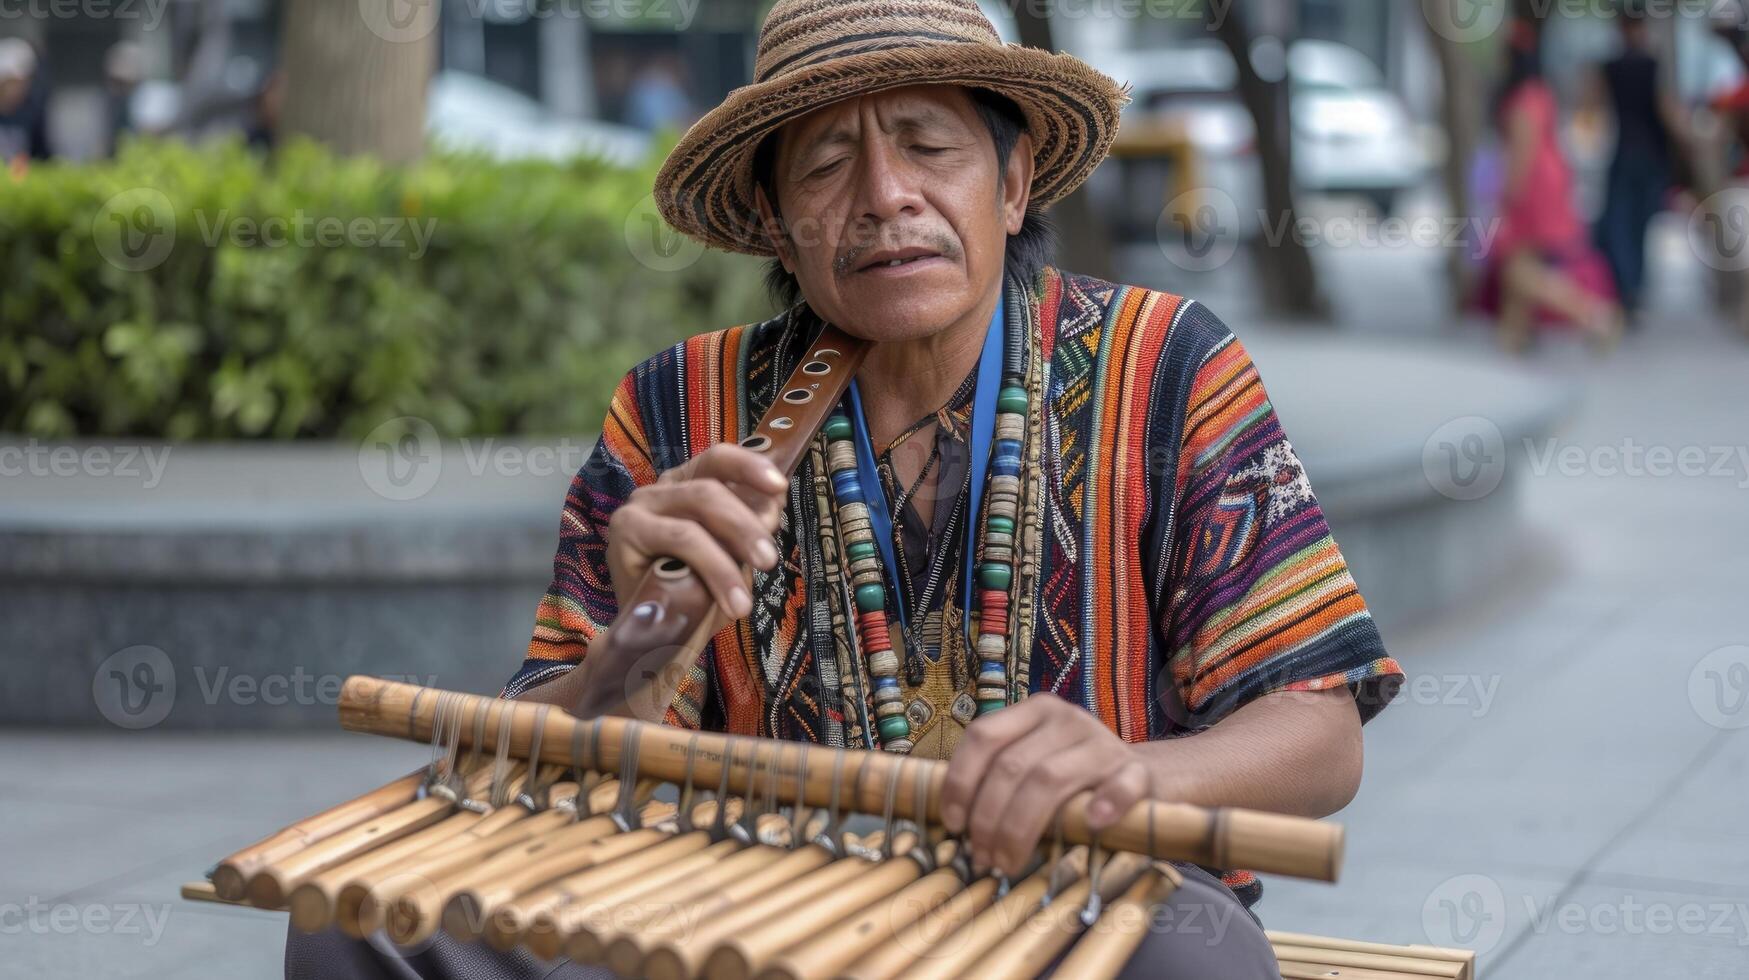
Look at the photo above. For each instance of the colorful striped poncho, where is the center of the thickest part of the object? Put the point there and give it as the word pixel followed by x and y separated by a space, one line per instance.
pixel 1185 567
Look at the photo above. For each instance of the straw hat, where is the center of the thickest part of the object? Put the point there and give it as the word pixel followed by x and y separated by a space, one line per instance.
pixel 816 52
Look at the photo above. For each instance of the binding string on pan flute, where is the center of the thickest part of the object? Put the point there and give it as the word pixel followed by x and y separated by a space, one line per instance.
pixel 667 853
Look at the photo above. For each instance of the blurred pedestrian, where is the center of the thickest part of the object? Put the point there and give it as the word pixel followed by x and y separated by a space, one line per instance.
pixel 1541 268
pixel 23 105
pixel 657 97
pixel 1647 123
pixel 124 67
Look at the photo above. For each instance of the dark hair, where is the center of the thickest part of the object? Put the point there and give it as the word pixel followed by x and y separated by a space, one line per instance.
pixel 1524 63
pixel 1028 250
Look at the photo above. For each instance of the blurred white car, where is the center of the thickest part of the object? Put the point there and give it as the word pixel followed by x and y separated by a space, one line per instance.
pixel 1352 134
pixel 468 112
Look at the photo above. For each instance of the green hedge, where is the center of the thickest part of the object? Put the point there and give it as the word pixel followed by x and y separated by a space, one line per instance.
pixel 209 293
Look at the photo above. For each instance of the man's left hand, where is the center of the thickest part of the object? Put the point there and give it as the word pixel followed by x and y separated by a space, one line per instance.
pixel 1015 768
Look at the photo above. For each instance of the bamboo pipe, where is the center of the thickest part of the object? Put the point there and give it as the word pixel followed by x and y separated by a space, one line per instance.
pixel 892 959
pixel 422 874
pixel 362 887
pixel 269 888
pixel 616 884
pixel 964 949
pixel 499 880
pixel 622 943
pixel 1351 959
pixel 1222 837
pixel 684 956
pixel 231 877
pixel 1466 958
pixel 1026 951
pixel 1292 970
pixel 829 952
pixel 315 904
pixel 746 951
pixel 1111 941
pixel 414 913
pixel 675 918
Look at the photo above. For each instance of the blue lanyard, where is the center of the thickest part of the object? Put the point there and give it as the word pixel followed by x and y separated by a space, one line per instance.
pixel 983 434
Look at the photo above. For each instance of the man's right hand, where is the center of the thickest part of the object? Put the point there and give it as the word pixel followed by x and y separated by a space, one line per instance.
pixel 714 512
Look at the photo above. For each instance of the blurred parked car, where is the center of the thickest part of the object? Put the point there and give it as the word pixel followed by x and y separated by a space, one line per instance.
pixel 1351 135
pixel 470 112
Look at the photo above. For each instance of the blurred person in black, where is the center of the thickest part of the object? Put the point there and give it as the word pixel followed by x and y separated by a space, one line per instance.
pixel 1648 123
pixel 23 104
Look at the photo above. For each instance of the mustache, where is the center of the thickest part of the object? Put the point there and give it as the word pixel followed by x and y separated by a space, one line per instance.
pixel 936 241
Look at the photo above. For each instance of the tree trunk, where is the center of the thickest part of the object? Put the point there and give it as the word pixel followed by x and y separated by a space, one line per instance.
pixel 1290 283
pixel 1083 243
pixel 1460 110
pixel 356 73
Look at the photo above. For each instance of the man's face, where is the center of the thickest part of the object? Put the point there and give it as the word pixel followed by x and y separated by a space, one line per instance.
pixel 906 174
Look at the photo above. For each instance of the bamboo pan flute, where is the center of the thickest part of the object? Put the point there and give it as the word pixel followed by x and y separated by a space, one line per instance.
pixel 1220 837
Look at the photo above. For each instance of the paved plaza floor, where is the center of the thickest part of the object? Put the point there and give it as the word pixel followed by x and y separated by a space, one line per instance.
pixel 1561 786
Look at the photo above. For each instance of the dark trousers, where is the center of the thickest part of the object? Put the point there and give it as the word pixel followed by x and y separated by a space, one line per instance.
pixel 1202 932
pixel 1636 186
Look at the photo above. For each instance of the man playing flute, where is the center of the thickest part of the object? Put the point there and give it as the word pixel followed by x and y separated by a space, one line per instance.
pixel 1054 534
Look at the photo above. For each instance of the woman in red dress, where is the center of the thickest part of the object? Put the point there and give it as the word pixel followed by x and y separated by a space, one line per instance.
pixel 1541 267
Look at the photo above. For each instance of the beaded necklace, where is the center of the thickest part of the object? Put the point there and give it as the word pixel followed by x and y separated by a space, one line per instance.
pixel 1001 425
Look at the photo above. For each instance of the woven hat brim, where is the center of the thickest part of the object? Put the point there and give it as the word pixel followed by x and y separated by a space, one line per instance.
pixel 705 187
